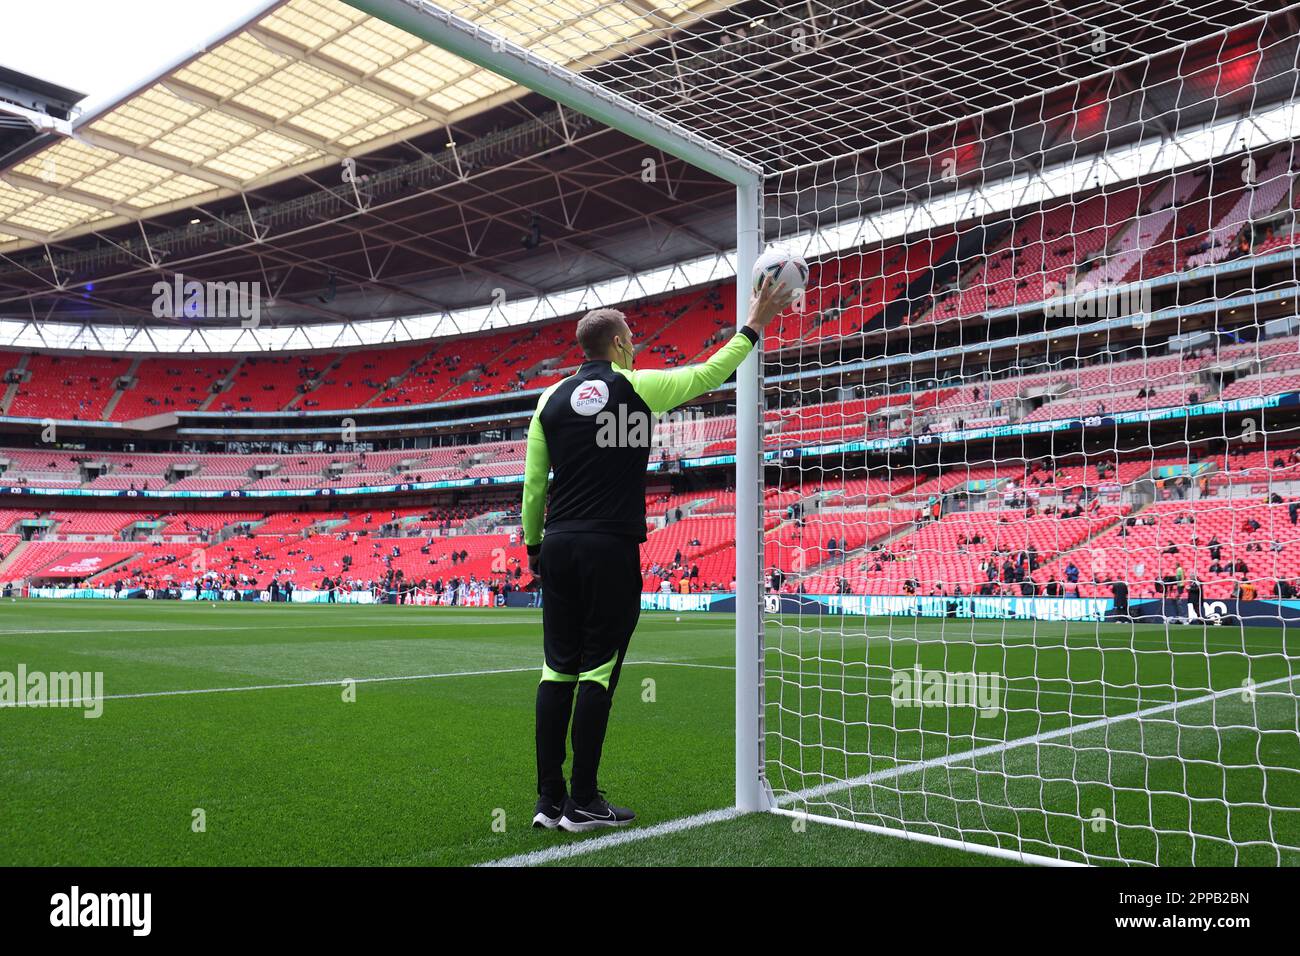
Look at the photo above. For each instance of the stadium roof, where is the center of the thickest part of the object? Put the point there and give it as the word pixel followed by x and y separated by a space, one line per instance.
pixel 30 108
pixel 298 87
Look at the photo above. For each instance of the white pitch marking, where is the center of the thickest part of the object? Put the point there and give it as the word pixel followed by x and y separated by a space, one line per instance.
pixel 594 844
pixel 353 625
pixel 564 851
pixel 337 682
pixel 1003 746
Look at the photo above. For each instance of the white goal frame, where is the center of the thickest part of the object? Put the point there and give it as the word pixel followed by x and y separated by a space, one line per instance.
pixel 491 51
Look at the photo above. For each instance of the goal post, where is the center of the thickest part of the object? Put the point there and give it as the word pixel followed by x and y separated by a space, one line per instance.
pixel 492 51
pixel 751 791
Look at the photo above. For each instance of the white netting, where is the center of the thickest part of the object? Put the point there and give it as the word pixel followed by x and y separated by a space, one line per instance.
pixel 1038 410
pixel 1013 456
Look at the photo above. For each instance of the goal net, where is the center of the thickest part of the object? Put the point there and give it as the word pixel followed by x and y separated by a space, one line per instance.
pixel 1032 469
pixel 1025 462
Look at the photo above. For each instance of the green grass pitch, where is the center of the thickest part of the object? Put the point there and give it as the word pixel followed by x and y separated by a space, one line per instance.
pixel 239 711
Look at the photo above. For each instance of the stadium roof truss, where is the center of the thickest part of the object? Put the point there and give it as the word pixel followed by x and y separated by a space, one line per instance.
pixel 300 87
pixel 303 86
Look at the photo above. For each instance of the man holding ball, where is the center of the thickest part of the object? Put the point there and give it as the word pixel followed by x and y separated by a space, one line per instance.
pixel 589 561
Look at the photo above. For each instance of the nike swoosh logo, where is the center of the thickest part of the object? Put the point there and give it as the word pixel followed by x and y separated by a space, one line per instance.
pixel 608 815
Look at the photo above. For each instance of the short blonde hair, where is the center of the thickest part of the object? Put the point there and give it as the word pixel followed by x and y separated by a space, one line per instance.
pixel 596 331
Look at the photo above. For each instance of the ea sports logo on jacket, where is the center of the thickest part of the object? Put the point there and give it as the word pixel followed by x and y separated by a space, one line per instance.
pixel 589 397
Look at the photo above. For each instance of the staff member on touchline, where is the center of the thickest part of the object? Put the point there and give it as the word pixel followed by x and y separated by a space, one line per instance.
pixel 593 430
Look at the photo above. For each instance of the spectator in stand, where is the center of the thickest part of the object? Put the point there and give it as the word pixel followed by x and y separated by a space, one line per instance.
pixel 777 579
pixel 1119 589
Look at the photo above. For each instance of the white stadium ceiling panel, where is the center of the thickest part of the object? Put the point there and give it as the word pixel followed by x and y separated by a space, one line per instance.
pixel 297 88
pixel 36 213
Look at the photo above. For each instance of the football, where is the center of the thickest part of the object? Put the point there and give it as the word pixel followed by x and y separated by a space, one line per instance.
pixel 784 267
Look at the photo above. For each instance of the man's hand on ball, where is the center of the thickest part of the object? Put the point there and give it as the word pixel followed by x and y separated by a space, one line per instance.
pixel 771 299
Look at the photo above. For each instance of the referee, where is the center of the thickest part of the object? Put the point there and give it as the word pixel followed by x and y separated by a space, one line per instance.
pixel 593 429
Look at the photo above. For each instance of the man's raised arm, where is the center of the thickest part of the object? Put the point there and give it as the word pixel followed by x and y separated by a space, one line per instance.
pixel 665 389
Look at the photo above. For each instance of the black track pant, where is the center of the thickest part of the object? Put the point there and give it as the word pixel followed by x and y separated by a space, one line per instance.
pixel 591 599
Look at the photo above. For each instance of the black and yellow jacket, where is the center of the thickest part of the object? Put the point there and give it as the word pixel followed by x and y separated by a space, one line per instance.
pixel 587 429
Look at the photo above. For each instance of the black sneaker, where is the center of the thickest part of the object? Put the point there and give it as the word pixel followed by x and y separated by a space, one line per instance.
pixel 548 812
pixel 595 815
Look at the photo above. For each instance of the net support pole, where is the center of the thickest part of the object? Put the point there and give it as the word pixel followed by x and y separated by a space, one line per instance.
pixel 751 796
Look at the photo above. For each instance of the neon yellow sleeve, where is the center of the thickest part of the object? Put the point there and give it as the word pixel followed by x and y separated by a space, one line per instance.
pixel 665 389
pixel 537 469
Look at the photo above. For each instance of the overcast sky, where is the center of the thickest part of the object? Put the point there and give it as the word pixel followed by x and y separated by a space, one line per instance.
pixel 105 47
